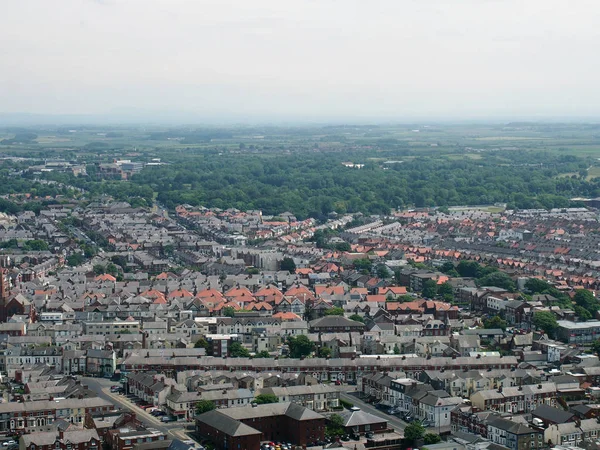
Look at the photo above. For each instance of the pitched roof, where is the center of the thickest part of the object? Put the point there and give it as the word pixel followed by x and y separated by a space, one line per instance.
pixel 553 415
pixel 225 424
pixel 356 417
pixel 335 321
pixel 510 426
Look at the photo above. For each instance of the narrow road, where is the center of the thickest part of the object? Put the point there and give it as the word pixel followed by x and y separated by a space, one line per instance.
pixel 101 386
pixel 395 422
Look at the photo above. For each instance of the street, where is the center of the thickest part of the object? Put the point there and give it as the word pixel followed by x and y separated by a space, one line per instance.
pixel 102 388
pixel 395 421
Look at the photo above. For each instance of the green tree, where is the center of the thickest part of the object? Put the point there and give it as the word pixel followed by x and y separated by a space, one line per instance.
pixel 582 313
pixel 36 245
pixel 446 291
pixel 334 311
pixel 383 271
pixel 204 406
pixel 112 269
pixel 537 286
pixel 324 352
pixel 288 264
pixel 228 311
pixel 300 346
pixel 335 426
pixel 586 300
pixel 448 266
pixel 263 399
pixel 429 289
pixel 99 269
pixel 201 343
pixel 468 269
pixel 596 347
pixel 495 323
pixel 343 247
pixel 357 318
pixel 363 265
pixel 546 321
pixel 76 259
pixel 431 438
pixel 414 431
pixel 237 350
pixel 498 279
pixel 396 349
pixel 263 354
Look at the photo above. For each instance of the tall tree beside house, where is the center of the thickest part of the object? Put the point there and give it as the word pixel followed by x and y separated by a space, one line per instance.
pixel 288 264
pixel 429 289
pixel 494 323
pixel 546 321
pixel 383 271
pixel 582 313
pixel 343 247
pixel 414 431
pixel 201 343
pixel 537 286
pixel 446 291
pixel 324 352
pixel 498 279
pixel 204 406
pixel 300 346
pixel 586 300
pixel 396 349
pixel 335 426
pixel 237 350
pixel 363 265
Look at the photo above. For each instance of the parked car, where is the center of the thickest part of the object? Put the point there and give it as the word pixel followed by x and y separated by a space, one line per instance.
pixel 115 388
pixel 9 443
pixel 167 419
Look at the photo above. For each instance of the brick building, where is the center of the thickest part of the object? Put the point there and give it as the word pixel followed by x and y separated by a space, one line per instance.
pixel 126 438
pixel 78 439
pixel 357 421
pixel 248 425
pixel 29 415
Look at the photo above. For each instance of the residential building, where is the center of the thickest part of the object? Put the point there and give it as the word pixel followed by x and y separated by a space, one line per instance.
pixel 514 435
pixel 77 439
pixel 245 427
pixel 320 397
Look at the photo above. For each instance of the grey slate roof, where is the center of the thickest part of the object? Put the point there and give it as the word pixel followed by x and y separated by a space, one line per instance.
pixel 356 417
pixel 225 424
pixel 551 414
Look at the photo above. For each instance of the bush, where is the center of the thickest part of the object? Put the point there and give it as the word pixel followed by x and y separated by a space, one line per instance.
pixel 346 404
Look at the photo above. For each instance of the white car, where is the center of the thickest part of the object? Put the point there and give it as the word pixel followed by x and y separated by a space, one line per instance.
pixel 9 443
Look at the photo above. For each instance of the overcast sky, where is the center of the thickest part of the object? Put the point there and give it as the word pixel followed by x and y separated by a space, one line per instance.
pixel 393 59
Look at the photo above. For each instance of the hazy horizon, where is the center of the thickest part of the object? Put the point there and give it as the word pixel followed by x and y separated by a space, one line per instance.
pixel 298 61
